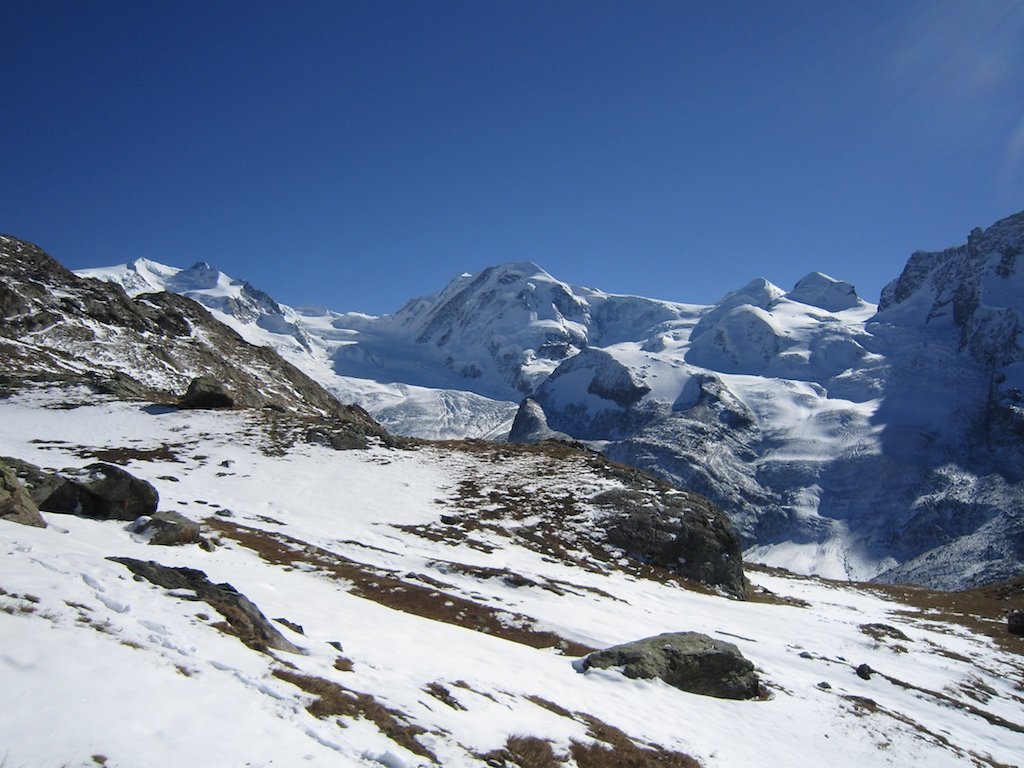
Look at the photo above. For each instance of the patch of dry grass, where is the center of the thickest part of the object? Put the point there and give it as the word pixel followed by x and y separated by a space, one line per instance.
pixel 332 699
pixel 525 752
pixel 388 589
pixel 123 456
pixel 443 695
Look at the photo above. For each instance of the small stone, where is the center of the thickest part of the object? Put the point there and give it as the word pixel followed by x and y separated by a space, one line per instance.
pixel 168 529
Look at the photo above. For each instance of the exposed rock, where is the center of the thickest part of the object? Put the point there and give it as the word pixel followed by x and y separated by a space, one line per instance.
pixel 678 531
pixel 100 491
pixel 49 491
pixel 689 661
pixel 168 529
pixel 1015 623
pixel 531 426
pixel 16 505
pixel 342 439
pixel 109 493
pixel 244 618
pixel 206 392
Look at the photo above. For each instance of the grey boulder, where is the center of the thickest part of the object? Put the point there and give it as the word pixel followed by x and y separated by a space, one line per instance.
pixel 100 491
pixel 16 505
pixel 206 392
pixel 689 661
pixel 168 529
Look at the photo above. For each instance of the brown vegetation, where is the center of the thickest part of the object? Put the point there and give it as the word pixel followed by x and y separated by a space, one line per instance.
pixel 388 589
pixel 334 699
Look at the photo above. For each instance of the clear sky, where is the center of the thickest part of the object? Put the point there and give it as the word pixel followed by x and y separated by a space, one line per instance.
pixel 358 154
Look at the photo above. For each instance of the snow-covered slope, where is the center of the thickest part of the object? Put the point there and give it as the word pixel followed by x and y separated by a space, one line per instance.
pixel 431 630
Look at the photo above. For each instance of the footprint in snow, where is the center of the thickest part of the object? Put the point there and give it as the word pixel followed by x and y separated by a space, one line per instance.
pixel 112 604
pixel 93 582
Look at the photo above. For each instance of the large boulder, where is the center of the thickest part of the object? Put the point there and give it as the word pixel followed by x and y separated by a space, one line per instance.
pixel 689 661
pixel 107 492
pixel 16 505
pixel 206 392
pixel 245 620
pixel 1015 623
pixel 100 491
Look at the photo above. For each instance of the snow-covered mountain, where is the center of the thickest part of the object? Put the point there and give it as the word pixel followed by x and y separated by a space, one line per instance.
pixel 844 439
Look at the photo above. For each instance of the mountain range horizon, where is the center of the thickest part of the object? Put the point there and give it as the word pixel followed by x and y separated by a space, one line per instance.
pixel 837 433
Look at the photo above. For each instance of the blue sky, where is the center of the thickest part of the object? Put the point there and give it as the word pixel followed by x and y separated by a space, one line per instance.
pixel 357 154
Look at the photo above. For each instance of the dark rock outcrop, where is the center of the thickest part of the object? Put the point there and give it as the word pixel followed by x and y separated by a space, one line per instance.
pixel 16 504
pixel 1015 623
pixel 689 661
pixel 107 492
pixel 531 425
pixel 678 531
pixel 206 392
pixel 245 620
pixel 340 439
pixel 168 529
pixel 100 491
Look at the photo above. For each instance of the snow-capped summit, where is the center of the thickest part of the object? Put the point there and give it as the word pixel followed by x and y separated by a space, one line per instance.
pixel 515 315
pixel 499 333
pixel 820 290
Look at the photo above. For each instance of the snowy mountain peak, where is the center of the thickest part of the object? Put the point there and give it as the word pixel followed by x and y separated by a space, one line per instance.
pixel 515 270
pixel 759 292
pixel 250 311
pixel 820 290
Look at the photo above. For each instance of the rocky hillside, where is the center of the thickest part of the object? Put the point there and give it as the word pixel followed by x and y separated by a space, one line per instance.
pixel 58 326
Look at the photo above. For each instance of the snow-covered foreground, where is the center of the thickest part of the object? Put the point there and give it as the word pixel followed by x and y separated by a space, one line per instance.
pixel 100 668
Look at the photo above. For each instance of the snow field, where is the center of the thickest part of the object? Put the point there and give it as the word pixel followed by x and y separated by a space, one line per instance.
pixel 146 681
